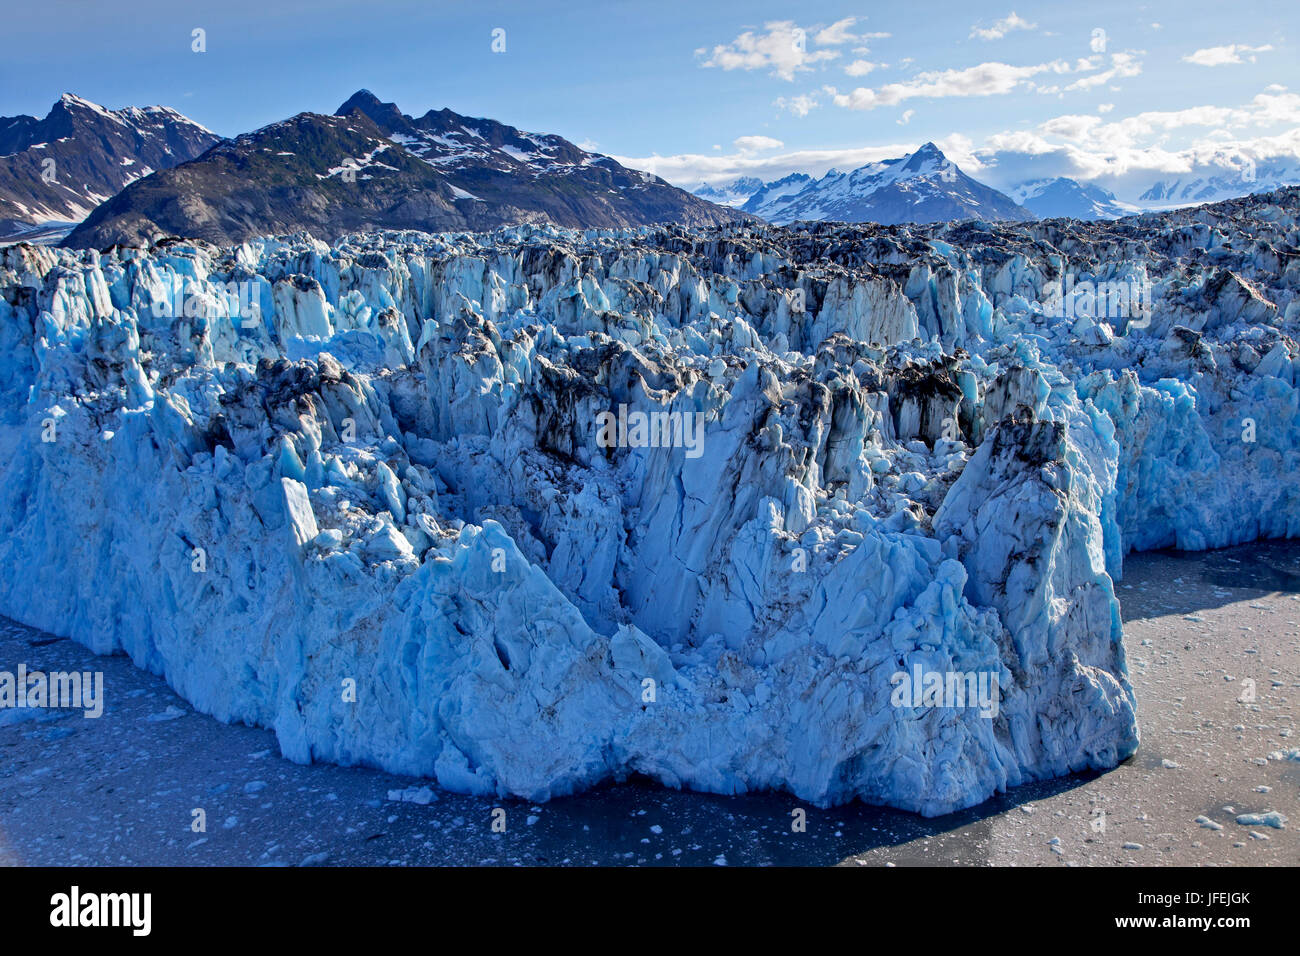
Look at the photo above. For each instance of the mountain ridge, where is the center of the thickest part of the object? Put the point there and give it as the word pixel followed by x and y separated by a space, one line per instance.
pixel 370 166
pixel 919 187
pixel 59 168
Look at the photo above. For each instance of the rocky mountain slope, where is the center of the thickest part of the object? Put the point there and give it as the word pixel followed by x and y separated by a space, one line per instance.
pixel 57 169
pixel 836 510
pixel 373 167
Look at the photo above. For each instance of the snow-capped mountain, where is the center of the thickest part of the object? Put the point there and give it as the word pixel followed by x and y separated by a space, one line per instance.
pixel 1066 198
pixel 924 186
pixel 735 193
pixel 370 166
pixel 54 171
pixel 769 193
pixel 1225 178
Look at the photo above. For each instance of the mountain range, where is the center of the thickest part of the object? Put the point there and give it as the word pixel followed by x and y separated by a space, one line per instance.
pixel 1066 198
pixel 370 166
pixel 136 174
pixel 924 186
pixel 1209 182
pixel 57 169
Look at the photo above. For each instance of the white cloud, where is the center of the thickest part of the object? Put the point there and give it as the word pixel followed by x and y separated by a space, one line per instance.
pixel 783 48
pixel 836 33
pixel 986 79
pixel 1121 65
pixel 1002 27
pixel 1073 127
pixel 1123 155
pixel 1224 55
pixel 959 149
pixel 1105 107
pixel 1127 154
pixel 1272 110
pixel 689 169
pixel 1127 172
pixel 861 67
pixel 756 144
pixel 800 105
pixel 1136 132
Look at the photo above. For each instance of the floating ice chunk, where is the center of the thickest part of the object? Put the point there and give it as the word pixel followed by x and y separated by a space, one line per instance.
pixel 1270 818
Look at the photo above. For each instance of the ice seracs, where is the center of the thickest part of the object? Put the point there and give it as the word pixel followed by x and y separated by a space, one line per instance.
pixel 380 520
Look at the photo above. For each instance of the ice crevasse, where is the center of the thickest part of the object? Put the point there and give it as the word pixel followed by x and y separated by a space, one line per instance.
pixel 357 493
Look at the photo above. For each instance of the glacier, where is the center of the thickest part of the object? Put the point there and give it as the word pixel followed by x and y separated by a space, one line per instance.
pixel 357 493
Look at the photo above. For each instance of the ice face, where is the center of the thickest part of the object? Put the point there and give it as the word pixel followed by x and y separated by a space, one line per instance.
pixel 432 503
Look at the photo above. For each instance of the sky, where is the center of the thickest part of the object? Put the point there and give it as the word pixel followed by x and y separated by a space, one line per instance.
pixel 1111 92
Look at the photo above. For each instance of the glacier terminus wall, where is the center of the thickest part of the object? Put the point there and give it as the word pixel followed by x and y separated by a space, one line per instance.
pixel 834 510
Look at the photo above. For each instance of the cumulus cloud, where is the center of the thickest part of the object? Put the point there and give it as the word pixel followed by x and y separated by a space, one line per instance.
pixel 1075 128
pixel 1002 27
pixel 690 169
pixel 1124 155
pixel 800 105
pixel 784 48
pixel 1225 55
pixel 1127 172
pixel 986 79
pixel 1121 65
pixel 756 144
pixel 836 33
pixel 906 117
pixel 861 67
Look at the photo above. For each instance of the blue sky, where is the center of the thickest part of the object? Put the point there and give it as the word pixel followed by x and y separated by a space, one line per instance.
pixel 704 90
